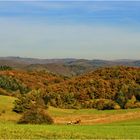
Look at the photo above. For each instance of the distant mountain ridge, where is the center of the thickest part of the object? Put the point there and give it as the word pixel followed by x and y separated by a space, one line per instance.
pixel 66 66
pixel 37 60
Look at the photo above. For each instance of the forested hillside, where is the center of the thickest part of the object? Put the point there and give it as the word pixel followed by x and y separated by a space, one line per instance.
pixel 105 88
pixel 116 87
pixel 14 82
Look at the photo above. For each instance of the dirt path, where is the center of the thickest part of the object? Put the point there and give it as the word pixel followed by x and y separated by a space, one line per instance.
pixel 97 119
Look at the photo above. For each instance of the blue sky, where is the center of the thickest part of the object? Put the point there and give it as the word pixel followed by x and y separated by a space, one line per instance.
pixel 74 29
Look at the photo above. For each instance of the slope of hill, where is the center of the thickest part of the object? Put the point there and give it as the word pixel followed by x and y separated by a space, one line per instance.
pixel 6 106
pixel 118 84
pixel 14 64
pixel 19 81
pixel 104 88
pixel 60 69
pixel 37 60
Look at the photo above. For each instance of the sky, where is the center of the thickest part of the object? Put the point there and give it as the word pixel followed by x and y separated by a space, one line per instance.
pixel 70 29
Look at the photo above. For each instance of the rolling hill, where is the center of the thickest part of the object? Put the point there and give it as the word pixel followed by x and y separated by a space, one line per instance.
pixel 103 88
pixel 118 84
pixel 21 81
pixel 67 67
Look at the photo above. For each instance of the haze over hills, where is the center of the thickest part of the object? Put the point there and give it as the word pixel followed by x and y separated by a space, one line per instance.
pixel 66 66
pixel 36 60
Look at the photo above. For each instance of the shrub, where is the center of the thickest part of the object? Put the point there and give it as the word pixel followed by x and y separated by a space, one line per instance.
pixel 4 67
pixel 121 99
pixel 137 104
pixel 132 103
pixel 68 100
pixel 53 99
pixel 33 99
pixel 3 111
pixel 116 106
pixel 87 104
pixel 105 104
pixel 22 104
pixel 36 116
pixel 137 93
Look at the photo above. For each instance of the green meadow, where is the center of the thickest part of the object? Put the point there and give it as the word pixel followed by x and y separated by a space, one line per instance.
pixel 122 130
pixel 126 128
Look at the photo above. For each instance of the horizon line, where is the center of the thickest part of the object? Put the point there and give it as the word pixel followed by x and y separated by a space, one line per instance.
pixel 62 58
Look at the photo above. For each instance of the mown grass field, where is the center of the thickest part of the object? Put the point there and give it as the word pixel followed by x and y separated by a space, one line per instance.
pixel 123 130
pixel 113 124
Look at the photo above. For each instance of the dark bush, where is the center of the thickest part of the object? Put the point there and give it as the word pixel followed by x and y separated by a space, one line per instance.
pixel 36 116
pixel 22 104
pixel 132 103
pixel 137 93
pixel 4 67
pixel 105 104
pixel 34 99
pixel 121 99
pixel 3 111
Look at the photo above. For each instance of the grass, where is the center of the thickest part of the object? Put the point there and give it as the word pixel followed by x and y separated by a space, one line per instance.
pixel 120 129
pixel 6 105
pixel 92 116
pixel 66 112
pixel 123 130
